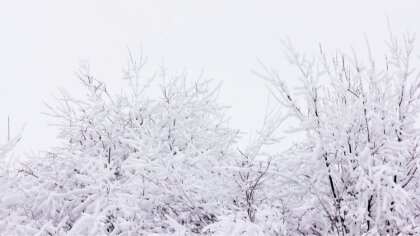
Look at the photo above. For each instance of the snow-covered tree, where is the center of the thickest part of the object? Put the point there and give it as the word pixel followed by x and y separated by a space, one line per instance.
pixel 129 164
pixel 357 169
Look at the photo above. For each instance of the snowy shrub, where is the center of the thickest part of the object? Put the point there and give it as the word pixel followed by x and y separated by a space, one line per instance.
pixel 356 171
pixel 129 165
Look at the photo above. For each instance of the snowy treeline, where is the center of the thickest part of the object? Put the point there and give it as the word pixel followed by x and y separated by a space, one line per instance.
pixel 134 164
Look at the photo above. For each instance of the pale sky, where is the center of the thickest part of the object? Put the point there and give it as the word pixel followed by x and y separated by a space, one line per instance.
pixel 41 43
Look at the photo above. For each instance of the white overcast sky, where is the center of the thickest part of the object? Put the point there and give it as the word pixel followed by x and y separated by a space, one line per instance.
pixel 41 43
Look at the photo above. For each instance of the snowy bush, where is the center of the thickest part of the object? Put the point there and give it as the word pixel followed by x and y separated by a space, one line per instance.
pixel 130 165
pixel 356 172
